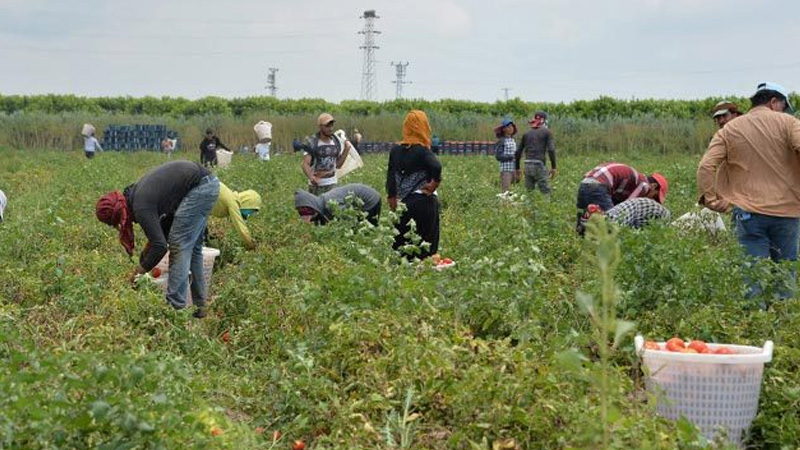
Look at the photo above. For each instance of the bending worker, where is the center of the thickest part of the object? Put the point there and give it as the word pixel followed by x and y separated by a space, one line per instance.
pixel 238 206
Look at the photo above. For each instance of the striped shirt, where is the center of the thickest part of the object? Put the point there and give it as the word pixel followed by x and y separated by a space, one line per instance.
pixel 623 181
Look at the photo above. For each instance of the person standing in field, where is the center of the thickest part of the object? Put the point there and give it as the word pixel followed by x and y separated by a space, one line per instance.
pixel 171 203
pixel 505 150
pixel 3 203
pixel 357 137
pixel 537 144
pixel 612 183
pixel 413 176
pixel 208 149
pixel 752 166
pixel 238 207
pixel 90 144
pixel 322 156
pixel 316 208
pixel 724 112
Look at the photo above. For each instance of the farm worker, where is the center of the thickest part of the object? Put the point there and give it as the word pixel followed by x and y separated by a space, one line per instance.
pixel 90 144
pixel 3 203
pixel 357 137
pixel 322 156
pixel 209 147
pixel 413 176
pixel 724 112
pixel 238 206
pixel 612 183
pixel 634 213
pixel 505 150
pixel 171 203
pixel 262 150
pixel 317 208
pixel 751 166
pixel 537 144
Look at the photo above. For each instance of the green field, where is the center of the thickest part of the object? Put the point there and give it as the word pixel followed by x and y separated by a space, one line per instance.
pixel 336 341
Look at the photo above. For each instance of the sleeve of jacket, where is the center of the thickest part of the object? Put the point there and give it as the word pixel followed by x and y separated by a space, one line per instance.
pixel 716 153
pixel 238 222
pixel 391 180
pixel 551 148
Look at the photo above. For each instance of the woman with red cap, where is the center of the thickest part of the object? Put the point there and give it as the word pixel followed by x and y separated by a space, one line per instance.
pixel 172 204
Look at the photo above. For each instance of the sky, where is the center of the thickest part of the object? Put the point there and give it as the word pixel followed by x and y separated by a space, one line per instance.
pixel 552 51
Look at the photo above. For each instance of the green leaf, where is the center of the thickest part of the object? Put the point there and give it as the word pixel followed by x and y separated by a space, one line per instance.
pixel 586 302
pixel 623 327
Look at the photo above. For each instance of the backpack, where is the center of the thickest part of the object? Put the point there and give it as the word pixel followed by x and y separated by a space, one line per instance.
pixel 499 152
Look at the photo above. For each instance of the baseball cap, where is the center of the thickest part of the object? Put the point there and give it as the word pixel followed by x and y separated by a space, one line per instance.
pixel 663 186
pixel 770 86
pixel 541 114
pixel 325 119
pixel 506 122
pixel 3 203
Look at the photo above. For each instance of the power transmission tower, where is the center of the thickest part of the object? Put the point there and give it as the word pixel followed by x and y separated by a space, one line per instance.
pixel 400 72
pixel 273 89
pixel 506 92
pixel 368 82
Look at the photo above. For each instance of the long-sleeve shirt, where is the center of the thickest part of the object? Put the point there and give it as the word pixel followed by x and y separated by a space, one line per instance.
pixel 410 168
pixel 154 200
pixel 209 147
pixel 623 181
pixel 537 144
pixel 90 144
pixel 230 204
pixel 754 163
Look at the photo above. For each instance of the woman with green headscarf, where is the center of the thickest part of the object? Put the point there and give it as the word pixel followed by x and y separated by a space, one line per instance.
pixel 414 175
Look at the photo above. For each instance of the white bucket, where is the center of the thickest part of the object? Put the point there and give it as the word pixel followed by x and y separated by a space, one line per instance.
pixel 209 255
pixel 714 392
pixel 263 131
pixel 88 129
pixel 224 158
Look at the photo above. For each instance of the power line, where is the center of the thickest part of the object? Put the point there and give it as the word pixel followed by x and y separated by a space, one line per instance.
pixel 505 91
pixel 368 82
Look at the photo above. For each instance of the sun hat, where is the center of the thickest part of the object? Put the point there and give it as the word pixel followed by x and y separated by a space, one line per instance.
pixel 325 119
pixel 498 131
pixel 724 107
pixel 770 86
pixel 663 186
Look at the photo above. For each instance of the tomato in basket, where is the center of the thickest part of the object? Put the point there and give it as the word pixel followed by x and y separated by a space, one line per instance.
pixel 652 345
pixel 724 351
pixel 699 346
pixel 675 344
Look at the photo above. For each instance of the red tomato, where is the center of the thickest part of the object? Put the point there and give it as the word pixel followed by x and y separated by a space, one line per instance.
pixel 226 337
pixel 259 430
pixel 216 431
pixel 298 445
pixel 699 346
pixel 724 351
pixel 675 344
pixel 447 261
pixel 276 435
pixel 687 350
pixel 651 345
pixel 156 273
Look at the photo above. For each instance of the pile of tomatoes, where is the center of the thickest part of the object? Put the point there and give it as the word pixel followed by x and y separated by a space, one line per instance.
pixel 679 346
pixel 438 261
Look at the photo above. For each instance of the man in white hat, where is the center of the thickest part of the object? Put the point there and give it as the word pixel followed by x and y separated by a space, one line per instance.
pixel 724 112
pixel 751 167
pixel 321 156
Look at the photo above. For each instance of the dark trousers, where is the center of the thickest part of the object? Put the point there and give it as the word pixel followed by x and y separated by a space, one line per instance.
pixel 424 209
pixel 373 214
pixel 592 193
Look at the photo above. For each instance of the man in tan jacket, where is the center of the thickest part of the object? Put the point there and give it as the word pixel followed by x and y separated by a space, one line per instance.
pixel 752 166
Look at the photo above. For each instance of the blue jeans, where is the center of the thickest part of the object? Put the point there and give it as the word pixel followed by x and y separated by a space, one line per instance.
pixel 592 193
pixel 771 237
pixel 186 243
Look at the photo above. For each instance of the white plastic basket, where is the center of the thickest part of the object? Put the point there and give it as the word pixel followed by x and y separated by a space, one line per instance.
pixel 87 130
pixel 209 255
pixel 714 392
pixel 224 158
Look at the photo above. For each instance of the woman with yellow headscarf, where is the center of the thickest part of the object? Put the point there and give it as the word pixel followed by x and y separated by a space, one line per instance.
pixel 413 176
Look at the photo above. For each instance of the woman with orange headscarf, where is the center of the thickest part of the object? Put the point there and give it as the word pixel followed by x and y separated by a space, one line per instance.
pixel 413 176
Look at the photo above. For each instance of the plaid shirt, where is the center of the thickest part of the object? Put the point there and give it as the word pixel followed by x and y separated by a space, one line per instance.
pixel 509 148
pixel 623 182
pixel 637 212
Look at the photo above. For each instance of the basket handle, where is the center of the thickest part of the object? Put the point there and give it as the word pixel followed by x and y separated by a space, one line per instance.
pixel 768 347
pixel 639 343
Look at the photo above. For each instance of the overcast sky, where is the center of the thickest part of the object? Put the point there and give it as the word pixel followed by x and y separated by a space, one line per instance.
pixel 557 50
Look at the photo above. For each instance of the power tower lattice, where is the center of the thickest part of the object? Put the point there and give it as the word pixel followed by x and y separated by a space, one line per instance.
pixel 273 89
pixel 400 72
pixel 368 82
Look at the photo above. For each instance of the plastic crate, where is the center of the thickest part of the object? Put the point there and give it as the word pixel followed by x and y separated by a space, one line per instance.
pixel 209 255
pixel 714 392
